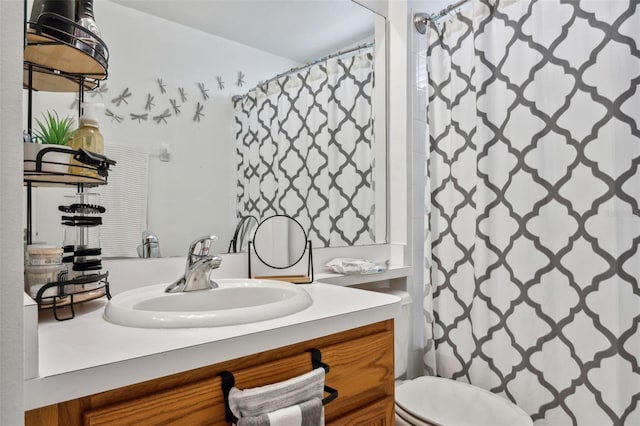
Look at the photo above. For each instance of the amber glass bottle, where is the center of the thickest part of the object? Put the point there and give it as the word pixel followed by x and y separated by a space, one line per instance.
pixel 87 137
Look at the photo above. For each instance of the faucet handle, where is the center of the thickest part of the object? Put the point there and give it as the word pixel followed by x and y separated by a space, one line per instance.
pixel 149 236
pixel 200 248
pixel 199 263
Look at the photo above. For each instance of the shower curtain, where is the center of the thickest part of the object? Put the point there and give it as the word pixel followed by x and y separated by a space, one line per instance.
pixel 305 148
pixel 534 216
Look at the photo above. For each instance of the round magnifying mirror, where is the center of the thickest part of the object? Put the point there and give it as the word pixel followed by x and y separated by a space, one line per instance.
pixel 280 241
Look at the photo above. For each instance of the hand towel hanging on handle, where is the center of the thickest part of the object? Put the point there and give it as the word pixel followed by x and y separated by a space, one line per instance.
pixel 265 399
pixel 293 402
pixel 308 413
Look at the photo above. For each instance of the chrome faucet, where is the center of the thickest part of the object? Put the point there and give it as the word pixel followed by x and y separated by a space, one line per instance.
pixel 150 246
pixel 199 265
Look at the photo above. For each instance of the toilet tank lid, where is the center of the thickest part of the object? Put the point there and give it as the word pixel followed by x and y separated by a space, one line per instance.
pixel 450 402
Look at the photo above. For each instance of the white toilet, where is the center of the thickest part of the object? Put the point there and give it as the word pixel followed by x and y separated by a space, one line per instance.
pixel 436 401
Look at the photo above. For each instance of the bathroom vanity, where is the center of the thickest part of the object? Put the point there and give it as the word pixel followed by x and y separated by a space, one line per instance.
pixel 93 372
pixel 361 369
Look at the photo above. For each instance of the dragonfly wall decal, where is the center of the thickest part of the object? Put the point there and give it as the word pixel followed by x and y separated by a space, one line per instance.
pixel 122 97
pixel 162 117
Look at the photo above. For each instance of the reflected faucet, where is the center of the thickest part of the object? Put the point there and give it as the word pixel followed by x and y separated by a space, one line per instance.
pixel 199 265
pixel 150 246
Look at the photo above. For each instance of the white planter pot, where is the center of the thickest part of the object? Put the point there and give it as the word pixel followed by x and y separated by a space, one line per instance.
pixel 52 161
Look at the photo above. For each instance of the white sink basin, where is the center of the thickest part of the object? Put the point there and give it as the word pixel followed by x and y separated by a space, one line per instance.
pixel 235 301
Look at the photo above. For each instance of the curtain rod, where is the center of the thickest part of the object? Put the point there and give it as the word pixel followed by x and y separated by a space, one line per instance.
pixel 317 61
pixel 420 20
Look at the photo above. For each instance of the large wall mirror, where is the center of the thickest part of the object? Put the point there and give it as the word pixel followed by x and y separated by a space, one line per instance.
pixel 208 125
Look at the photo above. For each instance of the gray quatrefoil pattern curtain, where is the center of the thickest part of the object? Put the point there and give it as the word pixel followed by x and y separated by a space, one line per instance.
pixel 534 180
pixel 305 148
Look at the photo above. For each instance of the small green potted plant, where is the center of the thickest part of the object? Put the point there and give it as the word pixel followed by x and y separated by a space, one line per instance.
pixel 52 130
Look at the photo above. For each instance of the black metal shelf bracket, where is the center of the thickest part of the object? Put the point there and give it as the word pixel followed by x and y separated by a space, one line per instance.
pixel 66 299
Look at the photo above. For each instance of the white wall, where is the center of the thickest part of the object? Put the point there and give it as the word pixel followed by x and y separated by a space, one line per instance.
pixel 11 321
pixel 194 193
pixel 407 146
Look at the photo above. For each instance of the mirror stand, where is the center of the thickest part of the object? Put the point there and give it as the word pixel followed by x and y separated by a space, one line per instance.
pixel 291 278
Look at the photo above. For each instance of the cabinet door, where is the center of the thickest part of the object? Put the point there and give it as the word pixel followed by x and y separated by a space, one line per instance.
pixel 362 371
pixel 380 413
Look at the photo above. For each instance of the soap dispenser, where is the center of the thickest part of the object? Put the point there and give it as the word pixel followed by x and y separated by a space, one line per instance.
pixel 87 137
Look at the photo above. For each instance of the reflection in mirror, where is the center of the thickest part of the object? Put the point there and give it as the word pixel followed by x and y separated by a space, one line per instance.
pixel 186 162
pixel 243 234
pixel 305 147
pixel 150 246
pixel 279 242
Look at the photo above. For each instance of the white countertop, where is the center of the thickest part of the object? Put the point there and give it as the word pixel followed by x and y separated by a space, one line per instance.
pixel 87 355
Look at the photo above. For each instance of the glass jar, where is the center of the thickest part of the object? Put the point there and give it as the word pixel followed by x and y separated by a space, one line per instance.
pixel 39 255
pixel 37 276
pixel 81 220
pixel 89 138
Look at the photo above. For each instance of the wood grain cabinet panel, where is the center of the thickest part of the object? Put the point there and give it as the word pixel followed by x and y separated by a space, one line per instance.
pixel 361 369
pixel 380 413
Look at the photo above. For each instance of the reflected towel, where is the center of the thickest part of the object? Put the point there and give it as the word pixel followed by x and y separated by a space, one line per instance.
pixel 309 413
pixel 267 399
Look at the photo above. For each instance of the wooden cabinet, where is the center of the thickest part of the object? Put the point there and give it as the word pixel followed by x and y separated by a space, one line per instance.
pixel 361 362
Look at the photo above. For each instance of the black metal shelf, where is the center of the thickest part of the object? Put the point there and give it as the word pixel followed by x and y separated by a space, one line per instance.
pixel 42 170
pixel 64 62
pixel 62 56
pixel 36 174
pixel 66 297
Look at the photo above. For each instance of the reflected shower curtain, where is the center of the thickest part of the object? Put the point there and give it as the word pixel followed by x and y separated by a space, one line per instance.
pixel 305 148
pixel 534 181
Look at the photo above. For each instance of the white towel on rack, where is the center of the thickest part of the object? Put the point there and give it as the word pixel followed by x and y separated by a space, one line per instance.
pixel 288 401
pixel 125 200
pixel 308 413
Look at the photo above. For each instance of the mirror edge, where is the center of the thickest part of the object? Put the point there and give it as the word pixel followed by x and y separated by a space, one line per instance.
pixel 379 7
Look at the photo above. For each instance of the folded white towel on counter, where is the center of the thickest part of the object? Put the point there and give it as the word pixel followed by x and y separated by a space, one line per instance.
pixel 308 413
pixel 268 399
